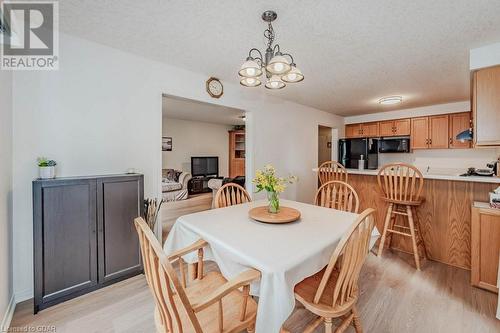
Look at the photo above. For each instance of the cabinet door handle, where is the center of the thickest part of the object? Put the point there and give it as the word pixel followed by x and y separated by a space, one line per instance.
pixel 451 141
pixel 430 141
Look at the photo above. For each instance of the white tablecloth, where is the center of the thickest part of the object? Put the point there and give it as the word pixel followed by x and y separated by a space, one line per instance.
pixel 284 254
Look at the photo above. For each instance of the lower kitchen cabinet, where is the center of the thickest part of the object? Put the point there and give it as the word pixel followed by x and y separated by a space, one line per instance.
pixel 485 246
pixel 83 235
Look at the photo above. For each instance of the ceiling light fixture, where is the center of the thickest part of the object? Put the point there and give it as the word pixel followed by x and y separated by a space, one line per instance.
pixel 390 100
pixel 276 65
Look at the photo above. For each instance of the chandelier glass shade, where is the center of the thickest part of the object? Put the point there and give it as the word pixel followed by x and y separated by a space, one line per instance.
pixel 275 82
pixel 250 82
pixel 250 68
pixel 293 76
pixel 278 67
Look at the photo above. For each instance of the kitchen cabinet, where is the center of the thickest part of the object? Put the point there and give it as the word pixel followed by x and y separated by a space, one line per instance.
pixel 486 106
pixel 83 235
pixel 399 127
pixel 429 132
pixel 485 246
pixel 386 128
pixel 458 123
pixel 364 130
pixel 353 131
pixel 402 127
pixel 438 132
pixel 369 130
pixel 419 133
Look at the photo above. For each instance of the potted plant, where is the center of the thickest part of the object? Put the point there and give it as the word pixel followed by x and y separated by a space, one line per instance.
pixel 46 168
pixel 266 179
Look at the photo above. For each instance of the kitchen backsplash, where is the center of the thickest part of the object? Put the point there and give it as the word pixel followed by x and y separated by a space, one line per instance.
pixel 445 158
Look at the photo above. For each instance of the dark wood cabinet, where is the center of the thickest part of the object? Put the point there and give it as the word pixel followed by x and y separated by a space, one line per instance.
pixel 119 203
pixel 83 235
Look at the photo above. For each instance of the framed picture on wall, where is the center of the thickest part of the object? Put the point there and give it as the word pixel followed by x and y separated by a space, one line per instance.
pixel 166 143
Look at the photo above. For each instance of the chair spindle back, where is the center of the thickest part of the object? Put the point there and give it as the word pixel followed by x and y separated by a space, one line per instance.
pixel 337 195
pixel 400 182
pixel 231 194
pixel 331 170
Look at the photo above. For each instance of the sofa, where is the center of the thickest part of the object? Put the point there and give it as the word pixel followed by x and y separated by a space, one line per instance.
pixel 174 184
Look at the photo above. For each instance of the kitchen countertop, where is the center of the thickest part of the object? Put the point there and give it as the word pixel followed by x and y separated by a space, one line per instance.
pixel 435 173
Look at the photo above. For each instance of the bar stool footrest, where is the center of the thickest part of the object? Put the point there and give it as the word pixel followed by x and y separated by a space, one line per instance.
pixel 398 232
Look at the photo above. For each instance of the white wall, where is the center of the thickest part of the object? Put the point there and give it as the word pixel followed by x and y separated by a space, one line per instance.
pixel 101 113
pixel 194 138
pixel 5 198
pixel 458 159
pixel 485 56
pixel 453 159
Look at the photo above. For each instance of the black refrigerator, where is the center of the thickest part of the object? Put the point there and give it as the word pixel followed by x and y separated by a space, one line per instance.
pixel 350 151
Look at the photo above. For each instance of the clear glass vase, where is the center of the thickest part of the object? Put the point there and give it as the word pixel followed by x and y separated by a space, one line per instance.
pixel 274 202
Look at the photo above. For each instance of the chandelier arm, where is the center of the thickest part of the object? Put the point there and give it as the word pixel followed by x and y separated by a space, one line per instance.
pixel 256 58
pixel 277 46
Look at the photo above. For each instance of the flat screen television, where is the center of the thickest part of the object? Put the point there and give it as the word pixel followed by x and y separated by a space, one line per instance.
pixel 205 166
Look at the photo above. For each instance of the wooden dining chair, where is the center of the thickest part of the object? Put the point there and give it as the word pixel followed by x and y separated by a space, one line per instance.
pixel 331 170
pixel 337 195
pixel 401 185
pixel 208 304
pixel 231 194
pixel 333 291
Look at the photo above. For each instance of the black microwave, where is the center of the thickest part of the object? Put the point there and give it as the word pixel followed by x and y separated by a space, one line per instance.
pixel 394 145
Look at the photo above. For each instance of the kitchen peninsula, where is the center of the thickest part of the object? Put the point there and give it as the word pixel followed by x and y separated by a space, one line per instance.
pixel 445 215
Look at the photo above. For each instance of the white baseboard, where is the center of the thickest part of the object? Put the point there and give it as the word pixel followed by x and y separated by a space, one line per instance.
pixel 22 296
pixel 7 317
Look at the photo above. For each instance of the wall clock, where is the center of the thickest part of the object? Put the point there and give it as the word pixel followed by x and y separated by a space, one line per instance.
pixel 214 87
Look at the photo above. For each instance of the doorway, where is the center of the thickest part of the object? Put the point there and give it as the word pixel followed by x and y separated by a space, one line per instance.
pixel 204 146
pixel 325 144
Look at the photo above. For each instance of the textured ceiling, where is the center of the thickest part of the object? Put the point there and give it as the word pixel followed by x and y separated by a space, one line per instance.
pixel 351 52
pixel 186 109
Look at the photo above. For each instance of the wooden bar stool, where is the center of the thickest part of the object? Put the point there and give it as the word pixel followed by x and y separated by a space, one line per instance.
pixel 402 185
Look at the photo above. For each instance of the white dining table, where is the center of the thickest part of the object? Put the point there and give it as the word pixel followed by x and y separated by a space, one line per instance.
pixel 285 254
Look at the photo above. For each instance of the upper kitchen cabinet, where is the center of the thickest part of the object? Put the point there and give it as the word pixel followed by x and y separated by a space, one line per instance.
pixel 459 122
pixel 438 131
pixel 353 131
pixel 486 106
pixel 429 132
pixel 420 133
pixel 362 130
pixel 370 129
pixel 398 127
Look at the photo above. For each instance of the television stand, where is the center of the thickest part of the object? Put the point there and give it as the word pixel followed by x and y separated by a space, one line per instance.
pixel 200 184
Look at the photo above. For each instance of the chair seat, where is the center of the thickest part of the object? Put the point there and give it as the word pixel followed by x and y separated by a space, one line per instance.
pixel 401 202
pixel 306 290
pixel 231 305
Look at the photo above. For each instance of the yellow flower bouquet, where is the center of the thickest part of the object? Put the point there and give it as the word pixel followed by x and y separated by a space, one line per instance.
pixel 267 180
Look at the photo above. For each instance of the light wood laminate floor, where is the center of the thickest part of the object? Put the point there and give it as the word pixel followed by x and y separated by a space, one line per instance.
pixel 394 298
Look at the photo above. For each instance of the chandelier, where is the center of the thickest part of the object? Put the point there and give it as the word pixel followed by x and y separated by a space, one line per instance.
pixel 274 64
